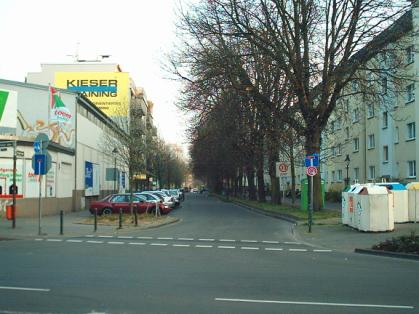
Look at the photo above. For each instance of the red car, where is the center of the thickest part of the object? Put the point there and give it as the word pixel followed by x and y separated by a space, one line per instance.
pixel 113 203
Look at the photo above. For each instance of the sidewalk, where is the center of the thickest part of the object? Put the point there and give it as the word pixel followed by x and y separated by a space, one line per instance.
pixel 50 227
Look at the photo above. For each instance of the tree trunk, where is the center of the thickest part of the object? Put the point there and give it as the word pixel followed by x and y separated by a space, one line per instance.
pixel 261 182
pixel 250 172
pixel 312 146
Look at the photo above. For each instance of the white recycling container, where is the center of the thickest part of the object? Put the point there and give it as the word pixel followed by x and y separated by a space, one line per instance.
pixel 413 201
pixel 400 199
pixel 345 205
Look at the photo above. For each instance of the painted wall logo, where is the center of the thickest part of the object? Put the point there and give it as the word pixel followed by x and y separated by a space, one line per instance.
pixel 8 108
pixel 3 99
pixel 94 88
pixel 59 112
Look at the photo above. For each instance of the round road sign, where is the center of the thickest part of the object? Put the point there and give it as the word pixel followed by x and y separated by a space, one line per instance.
pixel 311 171
pixel 283 167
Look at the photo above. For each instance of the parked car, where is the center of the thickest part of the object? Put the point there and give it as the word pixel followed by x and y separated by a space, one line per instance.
pixel 194 190
pixel 154 199
pixel 167 200
pixel 115 202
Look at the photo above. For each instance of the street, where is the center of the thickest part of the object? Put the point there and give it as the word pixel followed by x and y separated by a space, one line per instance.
pixel 219 258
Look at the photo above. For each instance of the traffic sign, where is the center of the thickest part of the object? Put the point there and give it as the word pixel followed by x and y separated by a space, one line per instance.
pixel 311 171
pixel 44 141
pixel 312 160
pixel 37 147
pixel 39 164
pixel 283 167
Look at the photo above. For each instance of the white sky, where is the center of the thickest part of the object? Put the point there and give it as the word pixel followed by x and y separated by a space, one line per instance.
pixel 136 34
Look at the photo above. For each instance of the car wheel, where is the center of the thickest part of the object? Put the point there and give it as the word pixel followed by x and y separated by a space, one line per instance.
pixel 107 211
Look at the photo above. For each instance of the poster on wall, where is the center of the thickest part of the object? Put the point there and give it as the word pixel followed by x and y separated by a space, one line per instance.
pixel 51 180
pixel 6 176
pixel 91 179
pixel 8 107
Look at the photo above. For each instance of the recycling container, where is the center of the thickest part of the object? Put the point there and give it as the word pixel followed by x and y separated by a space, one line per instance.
pixel 373 208
pixel 346 215
pixel 400 199
pixel 352 196
pixel 413 201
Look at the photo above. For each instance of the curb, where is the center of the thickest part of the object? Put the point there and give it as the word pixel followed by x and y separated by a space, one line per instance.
pixel 388 254
pixel 288 218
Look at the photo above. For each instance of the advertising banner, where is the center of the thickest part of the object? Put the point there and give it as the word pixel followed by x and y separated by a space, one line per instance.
pixel 107 90
pixel 31 182
pixel 91 179
pixel 8 108
pixel 6 176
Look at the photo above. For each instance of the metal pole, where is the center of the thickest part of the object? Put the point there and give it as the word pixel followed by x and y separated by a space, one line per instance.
pixel 39 204
pixel 14 186
pixel 120 218
pixel 311 208
pixel 61 222
pixel 114 176
pixel 136 217
pixel 95 221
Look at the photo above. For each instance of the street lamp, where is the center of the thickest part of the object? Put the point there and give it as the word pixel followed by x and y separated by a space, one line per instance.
pixel 114 152
pixel 347 160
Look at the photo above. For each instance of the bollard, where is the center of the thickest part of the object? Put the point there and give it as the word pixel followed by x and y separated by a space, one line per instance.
pixel 61 222
pixel 95 221
pixel 136 217
pixel 120 218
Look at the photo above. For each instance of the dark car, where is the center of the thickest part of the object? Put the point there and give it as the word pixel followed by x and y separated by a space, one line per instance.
pixel 114 203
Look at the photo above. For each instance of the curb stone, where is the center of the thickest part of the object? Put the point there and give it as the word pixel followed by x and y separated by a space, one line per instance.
pixel 288 218
pixel 388 254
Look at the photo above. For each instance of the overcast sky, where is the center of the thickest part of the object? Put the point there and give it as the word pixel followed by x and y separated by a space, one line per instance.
pixel 135 33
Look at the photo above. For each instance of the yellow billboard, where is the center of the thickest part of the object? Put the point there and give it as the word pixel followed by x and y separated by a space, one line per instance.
pixel 107 90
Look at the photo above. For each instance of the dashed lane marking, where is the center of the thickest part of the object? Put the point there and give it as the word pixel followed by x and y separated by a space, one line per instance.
pixel 105 236
pixel 145 238
pixel 115 242
pixel 186 239
pixel 125 237
pixel 137 243
pixel 204 246
pixel 322 250
pixel 207 240
pixel 159 244
pixel 95 242
pixel 297 250
pixel 161 238
pixel 271 242
pixel 249 248
pixel 249 241
pixel 181 245
pixel 74 241
pixel 273 249
pixel 54 240
pixel 227 240
pixel 293 243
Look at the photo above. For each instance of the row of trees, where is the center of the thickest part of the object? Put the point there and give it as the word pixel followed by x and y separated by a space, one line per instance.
pixel 263 77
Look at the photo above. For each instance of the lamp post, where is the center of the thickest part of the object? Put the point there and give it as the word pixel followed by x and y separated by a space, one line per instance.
pixel 347 160
pixel 114 152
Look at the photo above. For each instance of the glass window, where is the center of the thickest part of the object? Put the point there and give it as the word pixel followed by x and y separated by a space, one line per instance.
pixel 385 119
pixel 384 85
pixel 411 168
pixel 370 111
pixel 410 55
pixel 340 176
pixel 347 132
pixel 333 176
pixel 411 131
pixel 339 149
pixel 355 115
pixel 371 172
pixel 356 173
pixel 371 141
pixel 410 92
pixel 396 135
pixel 385 153
pixel 356 144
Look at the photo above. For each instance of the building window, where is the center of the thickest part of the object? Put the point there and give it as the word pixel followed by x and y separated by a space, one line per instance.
pixel 333 176
pixel 355 115
pixel 396 135
pixel 354 86
pixel 411 131
pixel 411 168
pixel 371 172
pixel 339 149
pixel 338 124
pixel 410 93
pixel 347 133
pixel 385 153
pixel 371 141
pixel 410 55
pixel 346 105
pixel 356 174
pixel 340 176
pixel 385 119
pixel 370 111
pixel 384 85
pixel 333 151
pixel 356 144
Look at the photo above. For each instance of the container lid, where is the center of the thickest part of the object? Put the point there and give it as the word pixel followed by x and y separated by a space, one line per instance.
pixel 395 186
pixel 413 186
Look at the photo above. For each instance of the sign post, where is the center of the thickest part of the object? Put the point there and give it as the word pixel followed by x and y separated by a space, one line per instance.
pixel 311 162
pixel 14 187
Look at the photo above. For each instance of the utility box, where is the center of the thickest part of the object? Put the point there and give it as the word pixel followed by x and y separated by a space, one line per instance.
pixel 305 192
pixel 400 200
pixel 373 209
pixel 413 201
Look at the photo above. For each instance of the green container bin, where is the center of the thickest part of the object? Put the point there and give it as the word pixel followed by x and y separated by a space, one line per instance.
pixel 305 191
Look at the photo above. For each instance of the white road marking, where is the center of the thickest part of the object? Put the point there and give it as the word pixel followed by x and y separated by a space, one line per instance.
pixel 96 242
pixel 181 245
pixel 74 241
pixel 105 236
pixel 145 238
pixel 39 239
pixel 158 244
pixel 208 240
pixel 204 246
pixel 273 249
pixel 292 243
pixel 322 250
pixel 226 247
pixel 186 239
pixel 297 250
pixel 319 303
pixel 227 240
pixel 125 237
pixel 89 236
pixel 249 241
pixel 271 242
pixel 249 248
pixel 54 240
pixel 164 238
pixel 137 243
pixel 115 242
pixel 24 289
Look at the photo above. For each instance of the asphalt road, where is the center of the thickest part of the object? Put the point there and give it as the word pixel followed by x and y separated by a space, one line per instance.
pixel 220 258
